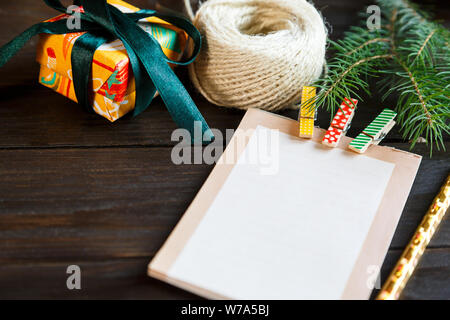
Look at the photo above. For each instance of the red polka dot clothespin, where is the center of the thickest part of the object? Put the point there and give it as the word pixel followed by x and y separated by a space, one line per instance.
pixel 341 123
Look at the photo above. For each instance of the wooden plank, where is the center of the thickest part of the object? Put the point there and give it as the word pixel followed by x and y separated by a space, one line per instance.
pixel 91 203
pixel 102 279
pixel 430 177
pixel 123 202
pixel 126 279
pixel 430 280
pixel 47 119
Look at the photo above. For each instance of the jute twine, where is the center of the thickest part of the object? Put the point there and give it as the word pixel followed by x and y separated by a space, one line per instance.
pixel 257 53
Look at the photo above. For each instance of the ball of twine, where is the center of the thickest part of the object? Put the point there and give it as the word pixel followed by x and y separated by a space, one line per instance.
pixel 257 53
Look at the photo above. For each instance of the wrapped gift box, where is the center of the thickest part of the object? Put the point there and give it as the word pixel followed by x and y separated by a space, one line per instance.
pixel 113 87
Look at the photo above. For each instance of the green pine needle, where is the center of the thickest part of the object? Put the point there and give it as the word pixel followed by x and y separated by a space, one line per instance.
pixel 410 57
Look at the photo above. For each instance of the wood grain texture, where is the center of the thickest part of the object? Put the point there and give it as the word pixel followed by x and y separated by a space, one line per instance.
pixel 41 111
pixel 106 279
pixel 126 279
pixel 430 279
pixel 76 189
pixel 123 202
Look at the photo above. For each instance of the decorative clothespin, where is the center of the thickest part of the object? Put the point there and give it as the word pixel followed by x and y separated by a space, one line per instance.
pixel 307 112
pixel 341 123
pixel 375 131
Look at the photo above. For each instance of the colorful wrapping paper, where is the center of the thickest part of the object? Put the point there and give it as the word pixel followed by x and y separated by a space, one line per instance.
pixel 113 84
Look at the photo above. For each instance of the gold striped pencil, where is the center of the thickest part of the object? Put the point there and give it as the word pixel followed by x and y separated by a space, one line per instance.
pixel 411 255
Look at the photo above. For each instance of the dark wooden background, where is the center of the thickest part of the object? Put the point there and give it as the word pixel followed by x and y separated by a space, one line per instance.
pixel 76 189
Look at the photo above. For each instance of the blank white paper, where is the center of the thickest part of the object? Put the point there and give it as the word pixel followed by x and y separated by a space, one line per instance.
pixel 295 234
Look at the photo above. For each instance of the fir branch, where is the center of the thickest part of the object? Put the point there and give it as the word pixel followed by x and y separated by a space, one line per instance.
pixel 425 42
pixel 422 90
pixel 354 65
pixel 418 92
pixel 391 28
pixel 350 69
pixel 414 10
pixel 367 43
pixel 412 54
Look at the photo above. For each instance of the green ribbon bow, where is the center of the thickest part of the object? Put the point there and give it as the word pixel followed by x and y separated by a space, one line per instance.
pixel 104 22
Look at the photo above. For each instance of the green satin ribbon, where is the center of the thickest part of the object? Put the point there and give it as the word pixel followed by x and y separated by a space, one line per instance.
pixel 104 22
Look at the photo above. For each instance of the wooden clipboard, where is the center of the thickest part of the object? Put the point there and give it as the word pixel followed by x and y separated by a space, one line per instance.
pixel 375 245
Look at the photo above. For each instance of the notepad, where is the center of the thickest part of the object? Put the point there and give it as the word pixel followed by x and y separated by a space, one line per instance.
pixel 282 217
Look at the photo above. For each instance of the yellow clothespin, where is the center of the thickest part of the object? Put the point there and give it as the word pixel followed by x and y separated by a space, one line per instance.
pixel 307 112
